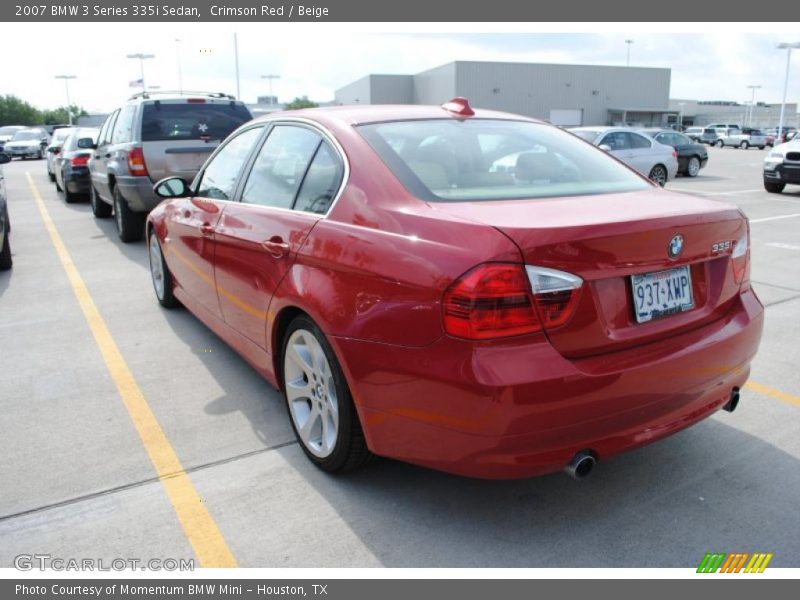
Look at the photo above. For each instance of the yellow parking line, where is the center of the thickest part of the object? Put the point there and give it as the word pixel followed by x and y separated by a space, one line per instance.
pixel 199 526
pixel 772 393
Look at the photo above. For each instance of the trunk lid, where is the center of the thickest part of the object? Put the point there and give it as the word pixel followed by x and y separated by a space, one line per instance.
pixel 605 240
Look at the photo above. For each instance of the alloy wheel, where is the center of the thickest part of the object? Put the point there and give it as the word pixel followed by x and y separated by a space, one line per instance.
pixel 156 266
pixel 693 168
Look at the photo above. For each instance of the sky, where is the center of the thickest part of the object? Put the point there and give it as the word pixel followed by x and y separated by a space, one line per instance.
pixel 711 63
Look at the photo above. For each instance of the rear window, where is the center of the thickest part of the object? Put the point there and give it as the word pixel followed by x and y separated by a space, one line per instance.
pixel 188 121
pixel 485 159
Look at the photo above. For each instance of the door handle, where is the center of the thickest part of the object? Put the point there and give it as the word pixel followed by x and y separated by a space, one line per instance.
pixel 108 155
pixel 276 247
pixel 206 230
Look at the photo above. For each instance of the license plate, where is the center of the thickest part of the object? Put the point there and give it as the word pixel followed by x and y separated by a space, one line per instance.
pixel 657 295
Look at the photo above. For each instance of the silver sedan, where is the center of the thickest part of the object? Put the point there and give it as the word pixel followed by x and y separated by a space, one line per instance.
pixel 637 150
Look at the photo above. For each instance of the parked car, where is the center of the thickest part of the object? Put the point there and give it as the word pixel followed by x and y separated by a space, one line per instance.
pixel 709 136
pixel 5 224
pixel 782 166
pixel 72 163
pixel 742 139
pixel 640 152
pixel 416 297
pixel 54 148
pixel 7 132
pixel 723 126
pixel 154 136
pixel 694 133
pixel 692 156
pixel 27 143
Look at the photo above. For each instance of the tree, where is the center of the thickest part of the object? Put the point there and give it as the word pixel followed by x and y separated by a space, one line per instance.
pixel 299 103
pixel 59 115
pixel 14 111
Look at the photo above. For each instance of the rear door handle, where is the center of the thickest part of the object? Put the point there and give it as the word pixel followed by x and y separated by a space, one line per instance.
pixel 276 247
pixel 206 230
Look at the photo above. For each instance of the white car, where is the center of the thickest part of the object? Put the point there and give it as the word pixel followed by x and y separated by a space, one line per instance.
pixel 27 143
pixel 54 148
pixel 637 150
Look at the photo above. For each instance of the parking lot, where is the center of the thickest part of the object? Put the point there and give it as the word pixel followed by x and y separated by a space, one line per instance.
pixel 78 480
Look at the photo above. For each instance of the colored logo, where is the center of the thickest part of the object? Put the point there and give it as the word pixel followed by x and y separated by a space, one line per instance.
pixel 738 562
pixel 675 246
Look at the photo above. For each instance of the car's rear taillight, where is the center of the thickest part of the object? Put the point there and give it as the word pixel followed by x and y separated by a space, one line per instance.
pixel 500 300
pixel 675 154
pixel 81 160
pixel 740 259
pixel 136 165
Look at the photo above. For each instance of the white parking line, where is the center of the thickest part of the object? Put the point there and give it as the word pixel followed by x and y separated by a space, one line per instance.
pixel 784 246
pixel 764 219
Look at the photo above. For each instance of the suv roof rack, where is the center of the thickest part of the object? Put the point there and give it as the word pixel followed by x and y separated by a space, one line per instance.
pixel 146 95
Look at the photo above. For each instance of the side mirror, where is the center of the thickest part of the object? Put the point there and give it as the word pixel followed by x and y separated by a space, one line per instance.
pixel 53 149
pixel 605 147
pixel 172 187
pixel 4 158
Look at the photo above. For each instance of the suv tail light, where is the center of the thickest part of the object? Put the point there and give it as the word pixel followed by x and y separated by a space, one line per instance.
pixel 498 300
pixel 136 164
pixel 740 258
pixel 81 160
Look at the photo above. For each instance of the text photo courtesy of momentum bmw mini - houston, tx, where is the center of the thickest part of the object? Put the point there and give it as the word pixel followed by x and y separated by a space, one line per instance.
pixel 279 296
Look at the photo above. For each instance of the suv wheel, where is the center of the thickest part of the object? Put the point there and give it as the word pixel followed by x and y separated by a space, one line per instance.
pixel 774 188
pixel 719 143
pixel 100 209
pixel 744 145
pixel 130 224
pixel 5 252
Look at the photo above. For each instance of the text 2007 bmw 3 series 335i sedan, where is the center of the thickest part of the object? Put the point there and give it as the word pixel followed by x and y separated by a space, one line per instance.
pixel 472 291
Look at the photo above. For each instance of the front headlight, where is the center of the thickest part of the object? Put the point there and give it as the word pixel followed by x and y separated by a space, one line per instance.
pixel 773 159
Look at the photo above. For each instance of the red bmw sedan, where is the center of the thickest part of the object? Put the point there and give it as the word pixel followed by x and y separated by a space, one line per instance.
pixel 471 291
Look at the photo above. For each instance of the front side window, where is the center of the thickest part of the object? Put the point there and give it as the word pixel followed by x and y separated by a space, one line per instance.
pixel 222 172
pixel 487 159
pixel 281 166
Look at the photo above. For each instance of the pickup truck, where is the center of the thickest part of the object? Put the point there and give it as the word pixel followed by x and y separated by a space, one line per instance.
pixel 742 139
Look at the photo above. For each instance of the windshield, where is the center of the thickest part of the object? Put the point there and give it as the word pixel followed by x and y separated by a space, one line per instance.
pixel 483 159
pixel 59 135
pixel 190 121
pixel 22 136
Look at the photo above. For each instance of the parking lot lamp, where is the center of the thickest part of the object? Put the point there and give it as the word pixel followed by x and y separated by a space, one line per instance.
pixel 270 78
pixel 142 57
pixel 628 55
pixel 66 79
pixel 789 46
pixel 753 88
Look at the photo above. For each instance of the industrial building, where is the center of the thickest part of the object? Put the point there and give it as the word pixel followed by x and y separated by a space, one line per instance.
pixel 704 112
pixel 568 95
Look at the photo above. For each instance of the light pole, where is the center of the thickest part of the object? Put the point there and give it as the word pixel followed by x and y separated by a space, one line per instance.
pixel 66 79
pixel 142 58
pixel 789 47
pixel 180 72
pixel 270 78
pixel 236 59
pixel 753 88
pixel 680 119
pixel 628 54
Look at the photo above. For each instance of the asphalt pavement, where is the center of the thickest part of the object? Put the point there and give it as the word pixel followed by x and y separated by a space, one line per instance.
pixel 78 475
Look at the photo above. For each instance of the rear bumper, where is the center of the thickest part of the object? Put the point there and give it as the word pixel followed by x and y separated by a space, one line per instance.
pixel 137 192
pixel 77 180
pixel 518 409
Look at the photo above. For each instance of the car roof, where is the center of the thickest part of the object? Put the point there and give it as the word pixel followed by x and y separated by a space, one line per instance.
pixel 379 113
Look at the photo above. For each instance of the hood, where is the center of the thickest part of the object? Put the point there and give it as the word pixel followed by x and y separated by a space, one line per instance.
pixel 22 143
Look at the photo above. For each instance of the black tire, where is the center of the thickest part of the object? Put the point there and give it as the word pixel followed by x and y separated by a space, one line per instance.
pixel 658 174
pixel 774 188
pixel 719 144
pixel 350 449
pixel 58 185
pixel 165 295
pixel 100 209
pixel 69 197
pixel 5 251
pixel 52 176
pixel 130 224
pixel 761 147
pixel 693 167
pixel 744 145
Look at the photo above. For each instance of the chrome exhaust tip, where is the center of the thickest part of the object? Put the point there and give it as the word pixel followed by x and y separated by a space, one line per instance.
pixel 731 405
pixel 581 465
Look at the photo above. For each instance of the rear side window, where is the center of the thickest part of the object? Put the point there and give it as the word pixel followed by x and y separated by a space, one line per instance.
pixel 281 166
pixel 321 182
pixel 488 159
pixel 123 128
pixel 639 141
pixel 191 121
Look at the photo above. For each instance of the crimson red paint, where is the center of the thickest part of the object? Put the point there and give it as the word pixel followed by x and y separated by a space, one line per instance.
pixel 488 338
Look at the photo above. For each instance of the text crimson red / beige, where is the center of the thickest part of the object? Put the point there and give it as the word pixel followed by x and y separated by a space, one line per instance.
pixel 264 10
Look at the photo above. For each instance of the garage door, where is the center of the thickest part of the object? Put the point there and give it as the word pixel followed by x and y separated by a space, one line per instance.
pixel 566 117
